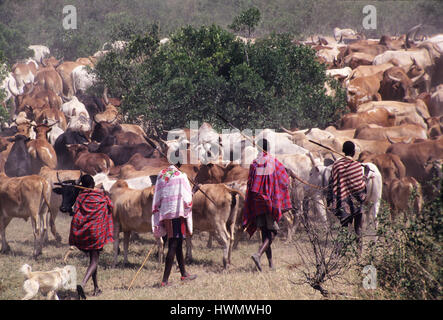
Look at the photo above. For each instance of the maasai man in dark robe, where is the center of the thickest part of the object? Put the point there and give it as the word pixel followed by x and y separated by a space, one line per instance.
pixel 347 188
pixel 267 197
pixel 91 228
pixel 172 217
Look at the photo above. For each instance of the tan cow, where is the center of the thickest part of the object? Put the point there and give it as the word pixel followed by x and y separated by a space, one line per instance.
pixel 25 197
pixel 389 165
pixel 49 80
pixel 381 117
pixel 90 162
pixel 218 215
pixel 374 132
pixel 132 212
pixel 364 89
pixel 65 70
pixel 400 194
pixel 41 151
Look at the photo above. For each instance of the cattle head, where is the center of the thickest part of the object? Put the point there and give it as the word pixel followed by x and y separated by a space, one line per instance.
pixel 69 192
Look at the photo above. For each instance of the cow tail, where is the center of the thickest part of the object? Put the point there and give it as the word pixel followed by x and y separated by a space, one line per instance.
pixel 230 224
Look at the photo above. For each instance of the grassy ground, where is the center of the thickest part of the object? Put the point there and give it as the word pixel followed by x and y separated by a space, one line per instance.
pixel 240 281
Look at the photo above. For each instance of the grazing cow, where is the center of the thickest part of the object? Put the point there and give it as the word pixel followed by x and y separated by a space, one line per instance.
pixel 89 162
pixel 381 117
pixel 218 215
pixel 401 192
pixel 132 212
pixel 25 197
pixel 53 177
pixel 18 163
pixel 374 132
pixel 41 151
pixel 64 158
pixel 120 154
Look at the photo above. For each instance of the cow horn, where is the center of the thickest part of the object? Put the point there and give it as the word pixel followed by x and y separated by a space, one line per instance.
pixel 105 95
pixel 58 177
pixel 287 131
pixel 59 62
pixel 408 34
pixel 390 140
pixel 393 78
pixel 312 159
pixel 415 79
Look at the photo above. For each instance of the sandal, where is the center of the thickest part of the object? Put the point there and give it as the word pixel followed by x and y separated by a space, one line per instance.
pixel 188 277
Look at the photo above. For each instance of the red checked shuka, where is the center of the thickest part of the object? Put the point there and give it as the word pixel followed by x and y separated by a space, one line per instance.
pixel 92 225
pixel 269 181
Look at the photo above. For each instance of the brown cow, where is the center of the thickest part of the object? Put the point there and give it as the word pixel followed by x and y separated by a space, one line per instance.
pixel 364 89
pixel 25 197
pixel 91 163
pixel 381 117
pixel 416 155
pixel 389 164
pixel 396 85
pixel 401 192
pixel 374 132
pixel 132 212
pixel 41 151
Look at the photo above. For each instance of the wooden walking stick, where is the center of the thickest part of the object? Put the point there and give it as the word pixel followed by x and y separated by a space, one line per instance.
pixel 143 264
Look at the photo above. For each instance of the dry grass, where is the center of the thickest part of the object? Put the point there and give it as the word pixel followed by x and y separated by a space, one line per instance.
pixel 240 281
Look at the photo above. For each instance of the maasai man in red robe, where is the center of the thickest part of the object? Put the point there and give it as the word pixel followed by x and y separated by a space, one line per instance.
pixel 91 228
pixel 267 197
pixel 347 188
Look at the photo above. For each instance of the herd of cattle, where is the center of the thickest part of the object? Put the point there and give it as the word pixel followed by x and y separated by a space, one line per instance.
pixel 57 131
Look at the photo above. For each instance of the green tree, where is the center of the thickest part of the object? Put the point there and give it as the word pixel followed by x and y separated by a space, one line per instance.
pixel 204 71
pixel 13 44
pixel 247 20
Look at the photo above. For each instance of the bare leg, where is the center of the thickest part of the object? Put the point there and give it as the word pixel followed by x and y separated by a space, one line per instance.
pixel 172 249
pixel 92 272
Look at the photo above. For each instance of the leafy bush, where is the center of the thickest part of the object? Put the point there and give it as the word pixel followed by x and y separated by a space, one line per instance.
pixel 408 256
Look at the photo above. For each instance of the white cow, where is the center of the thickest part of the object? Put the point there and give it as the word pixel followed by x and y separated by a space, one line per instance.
pixel 343 33
pixel 138 183
pixel 74 108
pixel 9 85
pixel 320 175
pixel 82 79
pixel 40 52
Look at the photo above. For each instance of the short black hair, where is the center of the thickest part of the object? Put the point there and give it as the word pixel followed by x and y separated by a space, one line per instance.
pixel 264 144
pixel 349 148
pixel 87 181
